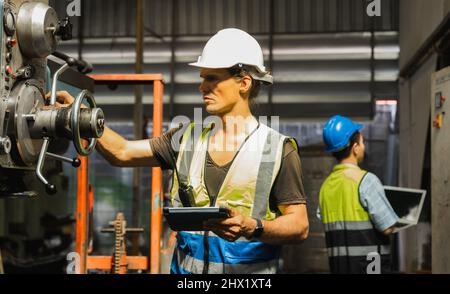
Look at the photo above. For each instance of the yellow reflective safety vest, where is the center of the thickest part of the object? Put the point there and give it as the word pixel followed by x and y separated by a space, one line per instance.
pixel 245 188
pixel 351 238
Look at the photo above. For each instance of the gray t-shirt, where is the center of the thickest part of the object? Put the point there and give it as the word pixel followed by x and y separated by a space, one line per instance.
pixel 288 185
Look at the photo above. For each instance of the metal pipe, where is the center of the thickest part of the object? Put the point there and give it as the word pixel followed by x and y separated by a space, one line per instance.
pixel 82 214
pixel 139 36
pixel 81 31
pixel 372 67
pixel 137 123
pixel 156 211
pixel 157 192
pixel 271 35
pixel 173 57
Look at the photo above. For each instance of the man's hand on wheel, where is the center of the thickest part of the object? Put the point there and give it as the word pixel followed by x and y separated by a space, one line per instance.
pixel 63 99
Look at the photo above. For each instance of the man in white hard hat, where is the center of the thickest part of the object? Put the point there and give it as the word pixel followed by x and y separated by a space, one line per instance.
pixel 233 47
pixel 258 178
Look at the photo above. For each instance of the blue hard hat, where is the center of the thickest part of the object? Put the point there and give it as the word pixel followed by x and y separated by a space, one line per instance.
pixel 338 131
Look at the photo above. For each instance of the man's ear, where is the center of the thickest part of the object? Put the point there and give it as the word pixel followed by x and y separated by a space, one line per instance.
pixel 246 83
pixel 354 148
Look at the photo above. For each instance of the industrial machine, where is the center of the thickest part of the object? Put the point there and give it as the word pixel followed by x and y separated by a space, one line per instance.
pixel 32 130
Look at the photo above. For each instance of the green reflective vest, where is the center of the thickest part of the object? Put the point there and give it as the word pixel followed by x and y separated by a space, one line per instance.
pixel 349 233
pixel 246 188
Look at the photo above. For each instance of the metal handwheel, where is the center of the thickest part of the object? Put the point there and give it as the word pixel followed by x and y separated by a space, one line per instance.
pixel 75 123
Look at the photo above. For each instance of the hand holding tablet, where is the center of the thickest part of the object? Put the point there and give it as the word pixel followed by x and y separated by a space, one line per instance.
pixel 192 218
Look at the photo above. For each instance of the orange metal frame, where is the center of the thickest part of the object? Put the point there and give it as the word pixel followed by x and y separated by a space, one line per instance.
pixel 82 211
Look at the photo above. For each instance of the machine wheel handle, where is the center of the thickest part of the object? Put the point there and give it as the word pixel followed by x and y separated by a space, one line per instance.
pixel 75 123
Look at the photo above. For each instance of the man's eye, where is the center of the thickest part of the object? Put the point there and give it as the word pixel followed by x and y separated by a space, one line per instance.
pixel 210 78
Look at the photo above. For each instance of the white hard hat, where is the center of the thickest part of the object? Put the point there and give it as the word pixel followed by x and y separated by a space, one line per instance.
pixel 230 47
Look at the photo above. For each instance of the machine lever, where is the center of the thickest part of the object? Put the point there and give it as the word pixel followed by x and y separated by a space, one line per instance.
pixel 75 162
pixel 59 72
pixel 83 67
pixel 50 189
pixel 74 124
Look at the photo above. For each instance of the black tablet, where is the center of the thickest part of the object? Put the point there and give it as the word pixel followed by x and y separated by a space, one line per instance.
pixel 192 218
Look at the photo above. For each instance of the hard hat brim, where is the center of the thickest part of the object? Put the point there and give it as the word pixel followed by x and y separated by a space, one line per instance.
pixel 358 126
pixel 260 76
pixel 228 65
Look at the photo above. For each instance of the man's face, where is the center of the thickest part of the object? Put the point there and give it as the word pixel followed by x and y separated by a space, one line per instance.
pixel 360 149
pixel 219 89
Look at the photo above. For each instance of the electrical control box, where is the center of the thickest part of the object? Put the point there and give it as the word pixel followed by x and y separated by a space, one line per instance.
pixel 440 167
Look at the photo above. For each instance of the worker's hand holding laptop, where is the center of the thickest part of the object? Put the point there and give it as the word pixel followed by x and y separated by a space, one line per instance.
pixel 407 204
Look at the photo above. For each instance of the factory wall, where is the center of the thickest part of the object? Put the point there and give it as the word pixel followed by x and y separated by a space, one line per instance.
pixel 418 19
pixel 105 18
pixel 321 57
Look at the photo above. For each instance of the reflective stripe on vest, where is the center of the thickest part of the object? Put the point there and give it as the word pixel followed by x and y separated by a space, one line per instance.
pixel 348 229
pixel 240 256
pixel 358 250
pixel 348 225
pixel 246 188
pixel 191 135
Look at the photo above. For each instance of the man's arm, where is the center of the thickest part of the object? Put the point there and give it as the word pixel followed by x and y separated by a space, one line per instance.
pixel 115 149
pixel 288 195
pixel 120 152
pixel 290 228
pixel 373 199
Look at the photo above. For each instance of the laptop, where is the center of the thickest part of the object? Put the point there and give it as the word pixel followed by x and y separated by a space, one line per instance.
pixel 407 204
